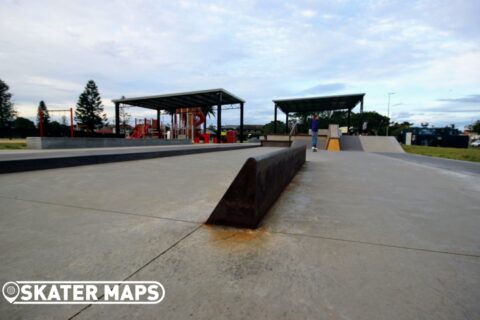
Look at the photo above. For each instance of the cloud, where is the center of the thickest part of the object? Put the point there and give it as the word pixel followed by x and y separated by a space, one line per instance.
pixel 308 13
pixel 324 88
pixel 448 109
pixel 473 98
pixel 259 50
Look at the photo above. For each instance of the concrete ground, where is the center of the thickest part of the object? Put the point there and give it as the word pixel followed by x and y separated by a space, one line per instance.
pixel 465 167
pixel 354 236
pixel 6 155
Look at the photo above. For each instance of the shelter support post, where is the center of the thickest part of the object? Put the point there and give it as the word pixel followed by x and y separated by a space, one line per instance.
pixel 348 120
pixel 361 117
pixel 117 118
pixel 219 118
pixel 158 122
pixel 275 121
pixel 241 122
pixel 71 122
pixel 286 123
pixel 205 122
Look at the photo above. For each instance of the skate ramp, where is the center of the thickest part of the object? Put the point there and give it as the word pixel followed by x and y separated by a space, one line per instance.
pixel 350 143
pixel 333 139
pixel 380 144
pixel 371 144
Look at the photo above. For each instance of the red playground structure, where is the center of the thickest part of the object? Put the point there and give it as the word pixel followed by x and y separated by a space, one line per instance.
pixel 142 129
pixel 186 124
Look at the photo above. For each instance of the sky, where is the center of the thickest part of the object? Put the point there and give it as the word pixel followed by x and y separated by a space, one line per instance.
pixel 426 52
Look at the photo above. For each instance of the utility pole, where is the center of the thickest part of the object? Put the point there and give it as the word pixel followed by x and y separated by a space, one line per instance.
pixel 388 111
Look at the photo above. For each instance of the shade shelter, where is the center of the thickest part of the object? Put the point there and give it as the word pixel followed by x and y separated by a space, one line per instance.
pixel 171 102
pixel 318 104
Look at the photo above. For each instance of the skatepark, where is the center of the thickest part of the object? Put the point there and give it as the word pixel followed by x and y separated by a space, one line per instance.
pixel 355 234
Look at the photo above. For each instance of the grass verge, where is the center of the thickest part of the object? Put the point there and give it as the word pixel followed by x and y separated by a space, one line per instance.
pixel 470 154
pixel 7 144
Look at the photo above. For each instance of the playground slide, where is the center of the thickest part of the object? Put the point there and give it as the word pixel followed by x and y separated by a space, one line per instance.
pixel 198 120
pixel 139 131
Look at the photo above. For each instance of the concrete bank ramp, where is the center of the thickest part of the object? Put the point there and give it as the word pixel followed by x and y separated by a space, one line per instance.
pixel 350 143
pixel 371 144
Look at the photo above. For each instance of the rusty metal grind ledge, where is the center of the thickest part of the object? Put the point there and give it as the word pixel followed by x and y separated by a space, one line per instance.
pixel 257 186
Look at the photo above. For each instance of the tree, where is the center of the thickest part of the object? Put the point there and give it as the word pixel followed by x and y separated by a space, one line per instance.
pixel 303 120
pixel 207 112
pixel 45 115
pixel 124 116
pixel 475 127
pixel 376 123
pixel 89 111
pixel 7 113
pixel 23 123
pixel 397 129
pixel 56 129
pixel 268 128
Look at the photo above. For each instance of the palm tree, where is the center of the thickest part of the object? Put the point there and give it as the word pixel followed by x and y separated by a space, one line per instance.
pixel 207 111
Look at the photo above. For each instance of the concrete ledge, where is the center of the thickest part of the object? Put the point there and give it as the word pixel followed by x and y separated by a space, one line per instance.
pixel 55 161
pixel 81 142
pixel 257 186
pixel 276 143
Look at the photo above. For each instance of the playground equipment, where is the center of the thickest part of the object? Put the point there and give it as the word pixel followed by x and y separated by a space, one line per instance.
pixel 41 125
pixel 143 128
pixel 185 124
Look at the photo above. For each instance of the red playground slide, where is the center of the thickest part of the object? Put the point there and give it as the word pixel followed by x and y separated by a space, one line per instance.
pixel 139 131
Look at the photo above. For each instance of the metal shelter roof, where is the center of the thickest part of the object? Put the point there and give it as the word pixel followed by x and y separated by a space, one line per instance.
pixel 318 104
pixel 203 98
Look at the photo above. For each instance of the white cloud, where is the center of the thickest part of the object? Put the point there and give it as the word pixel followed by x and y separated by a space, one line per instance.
pixel 259 50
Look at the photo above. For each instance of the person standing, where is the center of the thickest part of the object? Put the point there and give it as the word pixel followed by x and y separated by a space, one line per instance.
pixel 315 123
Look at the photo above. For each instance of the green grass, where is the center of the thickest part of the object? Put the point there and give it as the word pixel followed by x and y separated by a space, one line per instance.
pixel 7 144
pixel 470 154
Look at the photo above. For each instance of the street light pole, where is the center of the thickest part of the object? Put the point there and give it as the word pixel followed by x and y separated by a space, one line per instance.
pixel 388 111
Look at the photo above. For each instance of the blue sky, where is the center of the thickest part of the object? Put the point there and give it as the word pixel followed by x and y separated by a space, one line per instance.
pixel 427 52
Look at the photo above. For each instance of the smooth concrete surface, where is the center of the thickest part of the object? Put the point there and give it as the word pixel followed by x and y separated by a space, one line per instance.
pixel 7 155
pixel 185 188
pixel 225 274
pixel 355 236
pixel 85 142
pixel 370 144
pixel 466 167
pixel 369 198
pixel 40 241
pixel 350 143
pixel 64 159
pixel 380 144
